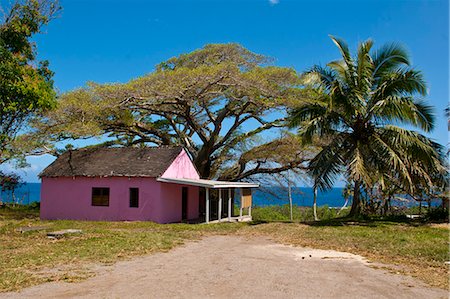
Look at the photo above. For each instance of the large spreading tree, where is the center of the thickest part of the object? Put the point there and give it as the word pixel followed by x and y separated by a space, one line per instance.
pixel 225 104
pixel 358 105
pixel 26 86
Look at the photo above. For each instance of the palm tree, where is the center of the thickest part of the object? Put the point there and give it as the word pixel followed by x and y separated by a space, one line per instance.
pixel 447 114
pixel 356 104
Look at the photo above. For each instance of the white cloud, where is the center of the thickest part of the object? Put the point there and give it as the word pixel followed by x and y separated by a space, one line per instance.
pixel 30 173
pixel 274 2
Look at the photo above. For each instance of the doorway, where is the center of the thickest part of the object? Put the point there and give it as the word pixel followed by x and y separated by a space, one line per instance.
pixel 184 203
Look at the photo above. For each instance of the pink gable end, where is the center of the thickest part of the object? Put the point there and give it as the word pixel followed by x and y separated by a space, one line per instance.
pixel 182 167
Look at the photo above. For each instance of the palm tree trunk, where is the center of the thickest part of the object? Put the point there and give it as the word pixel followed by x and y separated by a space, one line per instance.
pixel 343 207
pixel 315 205
pixel 356 204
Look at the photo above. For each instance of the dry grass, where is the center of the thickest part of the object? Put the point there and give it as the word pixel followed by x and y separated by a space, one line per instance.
pixel 31 258
pixel 417 250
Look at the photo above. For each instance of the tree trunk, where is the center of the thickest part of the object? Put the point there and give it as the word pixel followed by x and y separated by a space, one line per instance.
pixel 204 169
pixel 356 204
pixel 315 205
pixel 290 197
pixel 343 207
pixel 387 205
pixel 203 164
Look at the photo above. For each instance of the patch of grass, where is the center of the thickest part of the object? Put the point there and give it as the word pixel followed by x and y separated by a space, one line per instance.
pixel 420 250
pixel 18 212
pixel 31 258
pixel 299 214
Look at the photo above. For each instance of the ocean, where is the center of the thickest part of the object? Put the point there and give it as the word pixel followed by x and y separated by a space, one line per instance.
pixel 30 192
pixel 25 194
pixel 301 196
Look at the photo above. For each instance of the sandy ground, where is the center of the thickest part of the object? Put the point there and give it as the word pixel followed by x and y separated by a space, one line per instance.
pixel 228 266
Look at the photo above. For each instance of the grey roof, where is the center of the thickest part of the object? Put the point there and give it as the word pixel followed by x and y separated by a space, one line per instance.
pixel 120 161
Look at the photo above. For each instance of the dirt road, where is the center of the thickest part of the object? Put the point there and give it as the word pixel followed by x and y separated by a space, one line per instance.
pixel 234 267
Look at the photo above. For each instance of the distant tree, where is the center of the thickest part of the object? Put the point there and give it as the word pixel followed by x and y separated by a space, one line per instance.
pixel 358 103
pixel 223 103
pixel 26 86
pixel 9 183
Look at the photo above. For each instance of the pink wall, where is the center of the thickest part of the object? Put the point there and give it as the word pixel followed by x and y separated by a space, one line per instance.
pixel 71 198
pixel 182 167
pixel 171 209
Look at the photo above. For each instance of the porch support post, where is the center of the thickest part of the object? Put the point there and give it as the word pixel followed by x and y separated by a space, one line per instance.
pixel 240 210
pixel 220 205
pixel 207 206
pixel 229 205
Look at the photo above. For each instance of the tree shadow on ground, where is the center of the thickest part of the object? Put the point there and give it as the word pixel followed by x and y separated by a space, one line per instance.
pixel 361 221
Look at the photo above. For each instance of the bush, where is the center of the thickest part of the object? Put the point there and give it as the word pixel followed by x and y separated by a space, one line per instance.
pixel 437 214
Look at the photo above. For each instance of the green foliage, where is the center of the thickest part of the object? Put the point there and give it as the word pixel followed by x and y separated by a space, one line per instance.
pixel 9 182
pixel 356 105
pixel 218 102
pixel 26 86
pixel 437 214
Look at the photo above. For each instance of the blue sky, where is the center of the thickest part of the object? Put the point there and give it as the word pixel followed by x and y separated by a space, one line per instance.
pixel 114 41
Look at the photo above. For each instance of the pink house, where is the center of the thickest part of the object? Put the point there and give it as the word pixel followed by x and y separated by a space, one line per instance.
pixel 159 184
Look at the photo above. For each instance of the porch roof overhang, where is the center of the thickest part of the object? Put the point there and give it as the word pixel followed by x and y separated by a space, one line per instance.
pixel 208 183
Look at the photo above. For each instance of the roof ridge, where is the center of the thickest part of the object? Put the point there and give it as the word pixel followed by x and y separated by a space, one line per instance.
pixel 122 147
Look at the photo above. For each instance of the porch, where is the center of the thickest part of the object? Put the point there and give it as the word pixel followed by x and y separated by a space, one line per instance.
pixel 224 191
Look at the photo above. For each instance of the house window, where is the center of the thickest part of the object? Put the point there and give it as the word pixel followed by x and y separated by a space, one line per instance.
pixel 100 197
pixel 134 197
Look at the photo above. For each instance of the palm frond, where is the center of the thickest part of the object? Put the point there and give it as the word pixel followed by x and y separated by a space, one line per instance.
pixel 347 61
pixel 415 145
pixel 402 81
pixel 364 66
pixel 320 77
pixel 388 58
pixel 406 110
pixel 321 126
pixel 359 168
pixel 306 112
pixel 422 161
pixel 341 68
pixel 345 52
pixel 394 158
pixel 328 163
